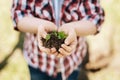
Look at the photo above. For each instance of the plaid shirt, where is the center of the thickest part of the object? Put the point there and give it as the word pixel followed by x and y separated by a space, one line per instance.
pixel 72 10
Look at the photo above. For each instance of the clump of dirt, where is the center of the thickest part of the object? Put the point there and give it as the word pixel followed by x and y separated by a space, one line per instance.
pixel 54 39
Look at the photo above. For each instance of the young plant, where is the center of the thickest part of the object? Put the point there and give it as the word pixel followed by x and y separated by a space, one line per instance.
pixel 54 39
pixel 61 35
pixel 47 37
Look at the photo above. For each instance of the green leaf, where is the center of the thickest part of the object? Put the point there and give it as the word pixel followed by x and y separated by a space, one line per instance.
pixel 47 37
pixel 55 33
pixel 61 35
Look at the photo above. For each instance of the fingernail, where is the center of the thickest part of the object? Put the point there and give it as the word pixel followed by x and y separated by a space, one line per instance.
pixel 44 36
pixel 59 50
pixel 62 45
pixel 66 43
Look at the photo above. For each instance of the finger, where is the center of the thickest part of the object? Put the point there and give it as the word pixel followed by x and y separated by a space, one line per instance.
pixel 67 40
pixel 46 50
pixel 40 43
pixel 60 55
pixel 53 50
pixel 63 52
pixel 42 32
pixel 67 48
pixel 56 53
pixel 73 45
pixel 70 38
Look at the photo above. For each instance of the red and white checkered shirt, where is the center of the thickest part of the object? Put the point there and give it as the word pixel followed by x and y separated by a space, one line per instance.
pixel 72 10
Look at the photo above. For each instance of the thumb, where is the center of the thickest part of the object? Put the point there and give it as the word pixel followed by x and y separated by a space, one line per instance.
pixel 42 33
pixel 68 40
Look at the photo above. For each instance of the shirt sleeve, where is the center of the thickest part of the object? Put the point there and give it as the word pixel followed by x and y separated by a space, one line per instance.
pixel 92 10
pixel 21 8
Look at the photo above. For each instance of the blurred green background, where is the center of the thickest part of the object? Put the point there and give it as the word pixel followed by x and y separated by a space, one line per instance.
pixel 106 43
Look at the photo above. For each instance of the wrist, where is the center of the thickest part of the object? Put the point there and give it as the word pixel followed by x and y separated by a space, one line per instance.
pixel 71 26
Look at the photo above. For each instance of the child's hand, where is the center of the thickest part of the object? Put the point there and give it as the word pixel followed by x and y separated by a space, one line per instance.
pixel 70 42
pixel 43 29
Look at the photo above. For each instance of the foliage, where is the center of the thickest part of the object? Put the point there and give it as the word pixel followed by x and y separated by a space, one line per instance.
pixel 59 35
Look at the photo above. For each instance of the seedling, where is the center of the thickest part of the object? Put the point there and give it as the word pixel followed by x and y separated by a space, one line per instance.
pixel 61 35
pixel 54 39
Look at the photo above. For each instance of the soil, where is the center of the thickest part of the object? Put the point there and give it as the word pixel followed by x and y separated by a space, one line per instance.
pixel 54 41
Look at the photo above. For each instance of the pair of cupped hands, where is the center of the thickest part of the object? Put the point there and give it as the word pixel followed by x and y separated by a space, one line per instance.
pixel 69 43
